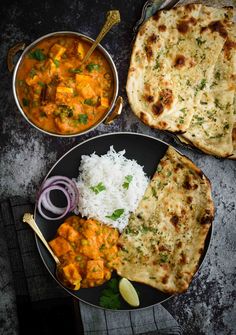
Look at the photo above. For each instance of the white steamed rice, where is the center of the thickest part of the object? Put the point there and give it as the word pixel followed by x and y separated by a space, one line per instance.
pixel 111 170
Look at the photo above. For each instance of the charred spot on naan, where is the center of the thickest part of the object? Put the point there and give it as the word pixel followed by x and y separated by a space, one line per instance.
pixel 179 61
pixel 216 26
pixel 144 118
pixel 152 39
pixel 149 52
pixel 183 26
pixel 207 217
pixel 162 27
pixel 148 98
pixel 174 220
pixel 228 46
pixel 165 101
pixel 157 108
pixel 156 16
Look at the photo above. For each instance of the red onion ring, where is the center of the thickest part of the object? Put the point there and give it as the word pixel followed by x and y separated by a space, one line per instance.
pixel 54 183
pixel 49 189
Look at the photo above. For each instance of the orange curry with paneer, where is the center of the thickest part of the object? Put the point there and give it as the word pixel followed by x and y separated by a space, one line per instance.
pixel 87 250
pixel 58 94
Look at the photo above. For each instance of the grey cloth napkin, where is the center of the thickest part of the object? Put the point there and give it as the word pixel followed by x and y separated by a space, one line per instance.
pixel 26 286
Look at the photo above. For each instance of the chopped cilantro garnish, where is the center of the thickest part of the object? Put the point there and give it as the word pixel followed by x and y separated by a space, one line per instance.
pixel 40 83
pixel 32 72
pixel 116 214
pixel 200 41
pixel 56 62
pixel 75 70
pixel 110 297
pixel 93 67
pixel 163 258
pixel 180 98
pixel 83 118
pixel 37 54
pixel 98 188
pixel 157 64
pixel 217 103
pixel 217 75
pixel 202 84
pixel 89 102
pixel 25 102
pixel 127 181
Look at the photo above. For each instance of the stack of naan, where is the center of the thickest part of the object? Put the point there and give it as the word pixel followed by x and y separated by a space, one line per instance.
pixel 182 76
pixel 164 240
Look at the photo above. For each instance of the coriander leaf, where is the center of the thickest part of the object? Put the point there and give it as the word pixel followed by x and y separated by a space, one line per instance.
pixel 98 188
pixel 37 54
pixel 202 84
pixel 40 83
pixel 116 214
pixel 113 284
pixel 89 102
pixel 93 67
pixel 25 102
pixel 200 41
pixel 127 181
pixel 110 297
pixel 163 258
pixel 56 62
pixel 32 72
pixel 75 70
pixel 83 118
pixel 112 301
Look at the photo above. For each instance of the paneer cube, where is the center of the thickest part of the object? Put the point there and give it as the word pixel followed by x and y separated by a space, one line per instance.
pixel 83 78
pixel 72 275
pixel 51 67
pixel 60 246
pixel 68 232
pixel 56 51
pixel 90 250
pixel 95 269
pixel 85 90
pixel 65 90
pixel 63 93
pixel 32 80
pixel 80 50
pixel 105 102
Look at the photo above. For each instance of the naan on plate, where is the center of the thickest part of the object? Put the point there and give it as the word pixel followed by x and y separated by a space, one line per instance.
pixel 165 237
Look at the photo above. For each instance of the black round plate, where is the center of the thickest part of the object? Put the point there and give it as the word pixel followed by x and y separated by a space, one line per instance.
pixel 147 151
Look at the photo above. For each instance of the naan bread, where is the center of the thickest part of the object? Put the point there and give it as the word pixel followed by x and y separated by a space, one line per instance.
pixel 169 69
pixel 164 240
pixel 182 75
pixel 212 124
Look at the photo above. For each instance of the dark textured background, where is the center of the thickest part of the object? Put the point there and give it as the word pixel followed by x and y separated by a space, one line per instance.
pixel 26 155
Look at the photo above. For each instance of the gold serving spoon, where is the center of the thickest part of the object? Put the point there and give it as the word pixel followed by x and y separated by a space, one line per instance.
pixel 112 18
pixel 28 218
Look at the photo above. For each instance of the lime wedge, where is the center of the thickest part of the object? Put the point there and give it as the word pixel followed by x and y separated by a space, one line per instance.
pixel 128 292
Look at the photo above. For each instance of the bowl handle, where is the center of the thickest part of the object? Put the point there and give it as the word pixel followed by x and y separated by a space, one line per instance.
pixel 11 54
pixel 116 111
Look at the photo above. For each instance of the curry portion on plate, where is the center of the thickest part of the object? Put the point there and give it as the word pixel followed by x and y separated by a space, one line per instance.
pixel 164 239
pixel 87 250
pixel 57 93
pixel 182 75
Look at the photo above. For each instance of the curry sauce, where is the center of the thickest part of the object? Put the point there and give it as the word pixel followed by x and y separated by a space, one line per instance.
pixel 87 250
pixel 58 94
